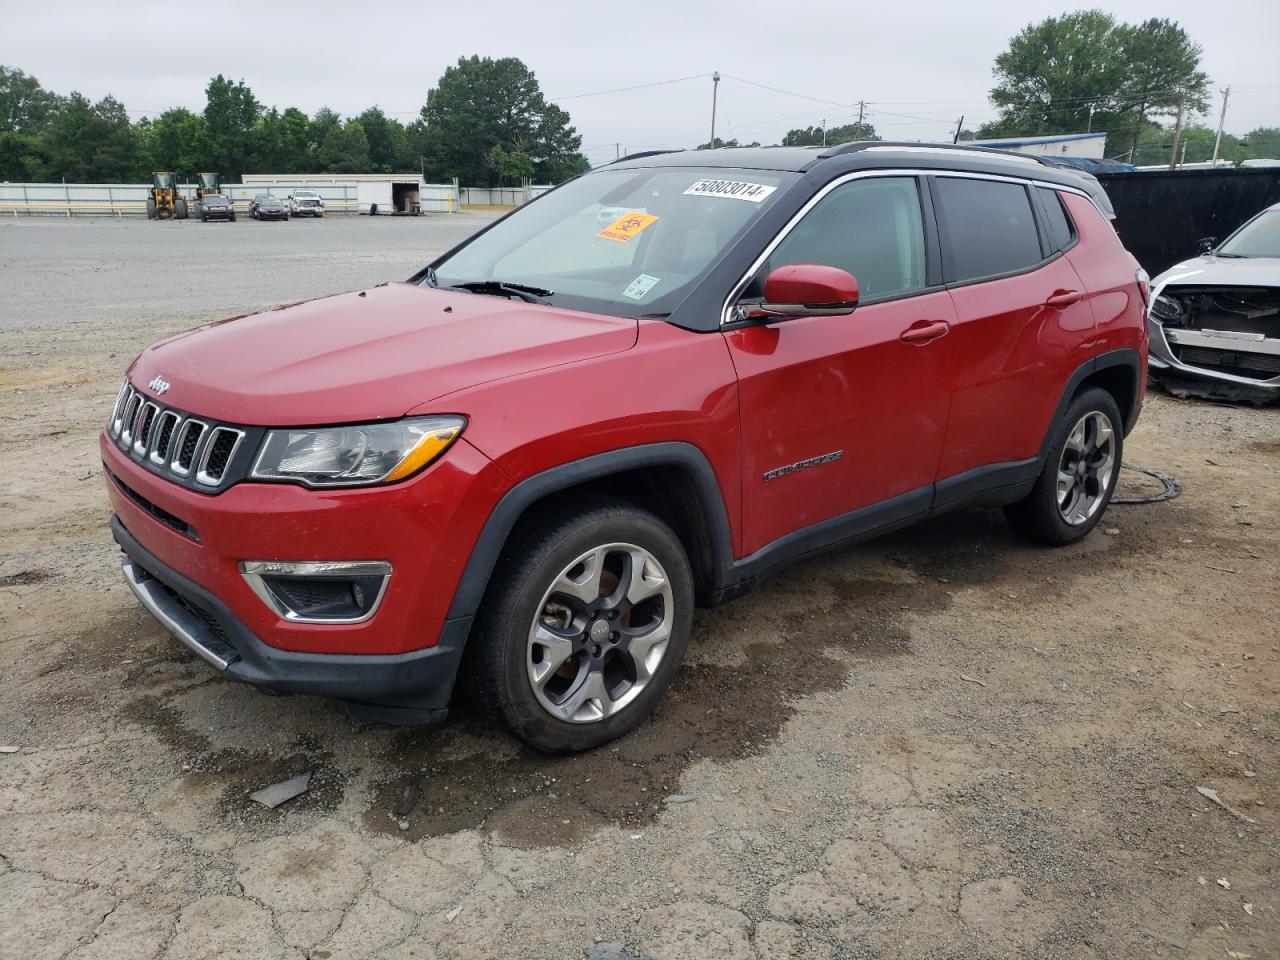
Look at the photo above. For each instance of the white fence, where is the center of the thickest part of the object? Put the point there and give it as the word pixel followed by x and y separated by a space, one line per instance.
pixel 501 196
pixel 130 199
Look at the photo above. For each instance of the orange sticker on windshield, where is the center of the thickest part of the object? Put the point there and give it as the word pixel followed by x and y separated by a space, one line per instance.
pixel 629 225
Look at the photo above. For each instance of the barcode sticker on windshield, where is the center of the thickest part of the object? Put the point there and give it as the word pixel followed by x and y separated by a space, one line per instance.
pixel 629 225
pixel 732 189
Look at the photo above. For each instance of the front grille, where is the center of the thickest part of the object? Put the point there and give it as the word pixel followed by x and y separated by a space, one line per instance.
pixel 159 513
pixel 218 452
pixel 1238 362
pixel 184 449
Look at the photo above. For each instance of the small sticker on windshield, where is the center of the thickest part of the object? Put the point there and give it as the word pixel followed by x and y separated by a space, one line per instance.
pixel 630 224
pixel 731 189
pixel 640 286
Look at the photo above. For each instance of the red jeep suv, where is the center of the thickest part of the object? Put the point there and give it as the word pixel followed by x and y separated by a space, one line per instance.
pixel 649 388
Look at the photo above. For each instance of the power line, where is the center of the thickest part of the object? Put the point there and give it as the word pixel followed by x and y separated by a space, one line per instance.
pixel 638 86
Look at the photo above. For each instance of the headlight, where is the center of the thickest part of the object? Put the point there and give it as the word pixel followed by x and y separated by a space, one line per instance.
pixel 356 456
pixel 1167 307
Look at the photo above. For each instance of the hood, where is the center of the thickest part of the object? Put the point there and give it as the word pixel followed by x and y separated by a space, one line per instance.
pixel 1209 270
pixel 371 355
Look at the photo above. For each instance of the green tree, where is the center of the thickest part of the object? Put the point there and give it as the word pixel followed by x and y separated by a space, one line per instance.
pixel 22 157
pixel 813 136
pixel 345 149
pixel 482 103
pixel 510 165
pixel 1054 71
pixel 321 125
pixel 91 143
pixel 387 141
pixel 1195 145
pixel 1162 66
pixel 1263 143
pixel 230 115
pixel 177 140
pixel 25 106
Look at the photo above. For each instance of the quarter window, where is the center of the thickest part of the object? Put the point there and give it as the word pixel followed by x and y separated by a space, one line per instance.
pixel 989 228
pixel 871 227
pixel 1059 226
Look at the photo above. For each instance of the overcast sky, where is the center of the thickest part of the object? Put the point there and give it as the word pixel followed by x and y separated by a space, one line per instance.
pixel 919 65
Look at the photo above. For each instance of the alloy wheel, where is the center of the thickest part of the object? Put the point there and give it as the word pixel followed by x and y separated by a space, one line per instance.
pixel 600 633
pixel 1084 472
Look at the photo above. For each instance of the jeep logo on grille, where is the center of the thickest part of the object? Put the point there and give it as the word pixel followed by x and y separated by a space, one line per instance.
pixel 159 385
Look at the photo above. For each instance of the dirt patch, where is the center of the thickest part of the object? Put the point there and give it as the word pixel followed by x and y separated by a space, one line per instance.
pixel 25 577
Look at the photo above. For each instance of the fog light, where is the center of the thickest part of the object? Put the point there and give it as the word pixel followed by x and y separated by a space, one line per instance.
pixel 319 591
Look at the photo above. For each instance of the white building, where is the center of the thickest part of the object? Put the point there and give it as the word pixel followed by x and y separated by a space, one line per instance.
pixel 381 193
pixel 1090 145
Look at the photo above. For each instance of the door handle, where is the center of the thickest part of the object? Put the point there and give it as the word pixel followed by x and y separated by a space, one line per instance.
pixel 1064 298
pixel 923 331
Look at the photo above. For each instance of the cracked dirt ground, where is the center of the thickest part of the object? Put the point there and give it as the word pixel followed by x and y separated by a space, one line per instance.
pixel 942 743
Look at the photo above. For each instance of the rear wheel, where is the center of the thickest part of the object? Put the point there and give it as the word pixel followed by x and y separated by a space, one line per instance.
pixel 180 208
pixel 151 209
pixel 1079 475
pixel 583 629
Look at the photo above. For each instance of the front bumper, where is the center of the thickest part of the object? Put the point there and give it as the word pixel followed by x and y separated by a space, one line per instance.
pixel 412 687
pixel 1164 365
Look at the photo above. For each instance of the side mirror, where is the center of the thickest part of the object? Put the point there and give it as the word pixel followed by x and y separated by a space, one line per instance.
pixel 805 290
pixel 1207 244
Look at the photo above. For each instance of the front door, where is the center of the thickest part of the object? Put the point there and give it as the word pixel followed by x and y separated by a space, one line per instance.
pixel 845 413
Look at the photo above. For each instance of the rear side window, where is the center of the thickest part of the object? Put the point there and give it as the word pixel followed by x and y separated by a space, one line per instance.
pixel 872 228
pixel 1058 224
pixel 988 227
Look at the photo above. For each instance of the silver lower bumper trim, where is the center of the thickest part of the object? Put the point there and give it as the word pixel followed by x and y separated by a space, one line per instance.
pixel 176 618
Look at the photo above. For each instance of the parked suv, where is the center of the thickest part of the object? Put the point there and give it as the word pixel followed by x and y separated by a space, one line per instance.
pixel 645 390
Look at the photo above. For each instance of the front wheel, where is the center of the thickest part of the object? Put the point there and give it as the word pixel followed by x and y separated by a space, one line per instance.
pixel 1079 475
pixel 584 627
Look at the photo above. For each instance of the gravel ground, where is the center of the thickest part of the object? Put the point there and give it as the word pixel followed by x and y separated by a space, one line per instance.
pixel 943 743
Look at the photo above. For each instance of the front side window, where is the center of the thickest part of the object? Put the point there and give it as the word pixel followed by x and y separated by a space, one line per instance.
pixel 622 242
pixel 988 227
pixel 871 228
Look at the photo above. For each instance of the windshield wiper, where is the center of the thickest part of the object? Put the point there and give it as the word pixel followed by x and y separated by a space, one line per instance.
pixel 520 291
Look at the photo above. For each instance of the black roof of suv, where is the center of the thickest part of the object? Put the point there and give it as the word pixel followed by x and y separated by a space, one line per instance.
pixel 873 155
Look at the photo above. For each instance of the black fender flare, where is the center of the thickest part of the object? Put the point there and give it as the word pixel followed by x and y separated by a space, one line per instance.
pixel 502 520
pixel 1126 357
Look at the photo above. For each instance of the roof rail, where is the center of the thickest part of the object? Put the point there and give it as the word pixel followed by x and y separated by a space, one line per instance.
pixel 858 145
pixel 641 155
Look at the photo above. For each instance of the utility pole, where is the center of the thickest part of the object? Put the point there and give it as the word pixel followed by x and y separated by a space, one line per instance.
pixel 715 89
pixel 824 131
pixel 1177 131
pixel 1089 128
pixel 617 151
pixel 1222 116
pixel 959 124
pixel 861 106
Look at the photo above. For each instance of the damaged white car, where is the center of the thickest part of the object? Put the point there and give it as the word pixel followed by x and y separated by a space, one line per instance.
pixel 1215 320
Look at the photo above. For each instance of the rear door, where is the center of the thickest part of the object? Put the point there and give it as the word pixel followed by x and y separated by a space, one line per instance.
pixel 1022 314
pixel 842 413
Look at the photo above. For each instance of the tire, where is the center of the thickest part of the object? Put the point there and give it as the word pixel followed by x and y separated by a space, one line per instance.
pixel 151 209
pixel 514 679
pixel 204 218
pixel 1079 475
pixel 232 218
pixel 180 209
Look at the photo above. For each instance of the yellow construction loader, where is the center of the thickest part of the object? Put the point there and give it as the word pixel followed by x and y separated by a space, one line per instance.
pixel 164 203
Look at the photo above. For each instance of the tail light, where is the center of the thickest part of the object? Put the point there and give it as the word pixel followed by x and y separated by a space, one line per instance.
pixel 1144 287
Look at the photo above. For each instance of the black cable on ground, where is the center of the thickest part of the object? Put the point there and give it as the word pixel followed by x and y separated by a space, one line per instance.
pixel 1171 486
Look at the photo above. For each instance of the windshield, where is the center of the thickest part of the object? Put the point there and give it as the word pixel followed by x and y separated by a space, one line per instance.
pixel 621 242
pixel 303 195
pixel 1260 237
